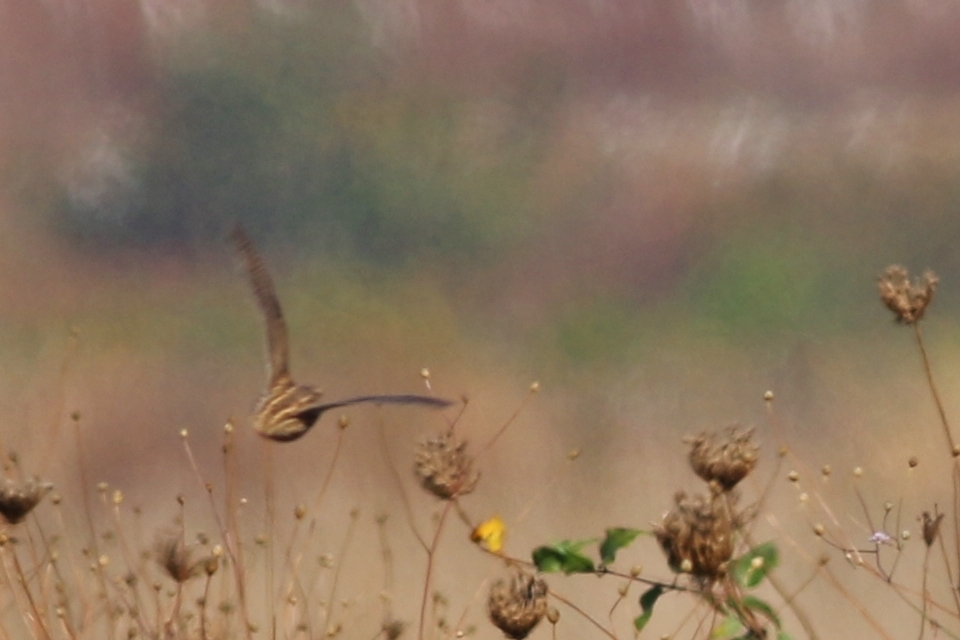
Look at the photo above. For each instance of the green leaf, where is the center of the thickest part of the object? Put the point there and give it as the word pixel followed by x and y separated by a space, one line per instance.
pixel 563 556
pixel 752 567
pixel 760 606
pixel 617 538
pixel 647 600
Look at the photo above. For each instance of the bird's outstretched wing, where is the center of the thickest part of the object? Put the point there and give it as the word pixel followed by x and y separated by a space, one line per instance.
pixel 413 399
pixel 277 348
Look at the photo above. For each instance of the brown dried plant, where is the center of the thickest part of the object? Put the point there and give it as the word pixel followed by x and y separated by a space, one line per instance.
pixel 178 560
pixel 17 499
pixel 697 535
pixel 725 463
pixel 444 468
pixel 907 301
pixel 518 606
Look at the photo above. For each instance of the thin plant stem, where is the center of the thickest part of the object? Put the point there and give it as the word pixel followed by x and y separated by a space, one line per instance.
pixel 933 387
pixel 928 370
pixel 88 513
pixel 404 498
pixel 270 495
pixel 231 542
pixel 337 447
pixel 38 615
pixel 534 388
pixel 431 553
pixel 338 566
pixel 584 614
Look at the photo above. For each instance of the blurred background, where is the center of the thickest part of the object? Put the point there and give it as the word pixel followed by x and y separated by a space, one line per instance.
pixel 659 210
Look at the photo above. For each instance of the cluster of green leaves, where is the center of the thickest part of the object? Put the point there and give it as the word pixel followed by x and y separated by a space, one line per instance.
pixel 747 573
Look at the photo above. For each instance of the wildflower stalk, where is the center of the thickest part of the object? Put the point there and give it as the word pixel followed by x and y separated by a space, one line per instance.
pixel 88 513
pixel 933 387
pixel 431 553
pixel 228 530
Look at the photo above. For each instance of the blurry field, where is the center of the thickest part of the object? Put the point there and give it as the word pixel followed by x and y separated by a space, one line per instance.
pixel 656 214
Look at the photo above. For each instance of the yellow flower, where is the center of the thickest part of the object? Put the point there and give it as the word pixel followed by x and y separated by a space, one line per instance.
pixel 489 534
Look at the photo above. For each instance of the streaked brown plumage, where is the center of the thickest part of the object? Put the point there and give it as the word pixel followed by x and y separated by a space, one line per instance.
pixel 288 410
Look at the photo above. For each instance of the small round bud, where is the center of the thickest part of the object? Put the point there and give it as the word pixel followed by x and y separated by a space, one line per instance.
pixel 768 396
pixel 299 512
pixel 913 461
pixel 102 487
pixel 793 476
pixel 826 470
pixel 228 427
pixel 117 497
pixel 756 563
pixel 553 616
pixel 425 373
pixel 636 570
pixel 344 421
pixel 819 530
pixel 956 450
pixel 857 472
pixel 183 433
pixel 534 387
pixel 905 534
pixel 686 565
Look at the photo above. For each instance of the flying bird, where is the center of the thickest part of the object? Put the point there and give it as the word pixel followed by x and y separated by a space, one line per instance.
pixel 287 410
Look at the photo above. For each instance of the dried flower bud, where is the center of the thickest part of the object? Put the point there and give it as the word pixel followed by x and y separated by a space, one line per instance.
pixel 517 607
pixel 931 527
pixel 176 558
pixel 697 536
pixel 726 463
pixel 19 499
pixel 907 301
pixel 444 467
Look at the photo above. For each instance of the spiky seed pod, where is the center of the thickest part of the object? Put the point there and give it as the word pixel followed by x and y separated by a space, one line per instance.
pixel 907 301
pixel 18 499
pixel 518 606
pixel 697 536
pixel 725 463
pixel 444 468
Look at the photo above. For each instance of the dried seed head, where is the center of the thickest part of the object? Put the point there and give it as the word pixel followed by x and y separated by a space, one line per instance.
pixel 907 301
pixel 726 463
pixel 697 536
pixel 176 558
pixel 444 467
pixel 18 499
pixel 931 527
pixel 517 607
